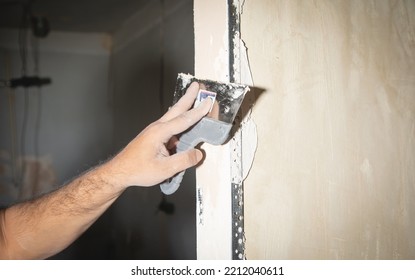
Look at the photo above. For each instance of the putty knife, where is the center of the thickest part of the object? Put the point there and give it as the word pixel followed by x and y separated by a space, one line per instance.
pixel 215 127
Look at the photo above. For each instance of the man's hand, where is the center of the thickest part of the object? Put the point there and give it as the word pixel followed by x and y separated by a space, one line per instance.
pixel 148 160
pixel 44 226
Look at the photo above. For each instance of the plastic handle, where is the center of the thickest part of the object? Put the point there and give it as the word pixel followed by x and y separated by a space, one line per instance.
pixel 206 130
pixel 171 185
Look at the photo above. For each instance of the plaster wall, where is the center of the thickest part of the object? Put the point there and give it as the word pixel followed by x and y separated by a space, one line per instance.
pixel 334 172
pixel 213 178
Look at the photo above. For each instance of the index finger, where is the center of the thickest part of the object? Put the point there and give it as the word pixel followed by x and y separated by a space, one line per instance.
pixel 187 119
pixel 184 103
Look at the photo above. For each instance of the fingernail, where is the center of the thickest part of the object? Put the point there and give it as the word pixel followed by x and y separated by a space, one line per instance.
pixel 199 155
pixel 194 85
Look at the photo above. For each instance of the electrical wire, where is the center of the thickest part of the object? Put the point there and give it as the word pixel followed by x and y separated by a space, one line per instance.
pixel 22 42
pixel 36 137
pixel 23 133
pixel 12 124
pixel 19 170
pixel 36 69
pixel 13 137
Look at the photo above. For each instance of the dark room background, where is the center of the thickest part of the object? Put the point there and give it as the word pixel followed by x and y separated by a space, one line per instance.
pixel 113 66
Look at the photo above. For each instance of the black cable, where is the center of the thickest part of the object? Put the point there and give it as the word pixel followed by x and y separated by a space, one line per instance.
pixel 37 123
pixel 12 123
pixel 23 135
pixel 35 53
pixel 36 179
pixel 22 42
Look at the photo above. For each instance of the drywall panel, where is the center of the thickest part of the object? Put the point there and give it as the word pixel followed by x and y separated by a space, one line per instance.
pixel 334 172
pixel 213 179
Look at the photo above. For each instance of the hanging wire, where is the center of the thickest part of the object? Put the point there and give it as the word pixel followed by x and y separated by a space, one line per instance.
pixel 22 41
pixel 23 133
pixel 12 124
pixel 19 169
pixel 36 69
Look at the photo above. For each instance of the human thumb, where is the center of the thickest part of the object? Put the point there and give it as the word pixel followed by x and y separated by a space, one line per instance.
pixel 183 160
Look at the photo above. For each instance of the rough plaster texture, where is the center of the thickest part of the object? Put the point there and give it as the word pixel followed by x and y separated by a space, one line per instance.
pixel 334 172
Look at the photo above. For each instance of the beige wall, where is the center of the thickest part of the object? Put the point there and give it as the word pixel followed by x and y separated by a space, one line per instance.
pixel 334 172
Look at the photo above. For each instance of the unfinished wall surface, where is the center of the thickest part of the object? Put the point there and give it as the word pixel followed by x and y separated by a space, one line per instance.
pixel 334 172
pixel 213 176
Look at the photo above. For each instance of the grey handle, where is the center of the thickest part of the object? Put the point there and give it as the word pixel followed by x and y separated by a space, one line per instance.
pixel 171 185
pixel 206 130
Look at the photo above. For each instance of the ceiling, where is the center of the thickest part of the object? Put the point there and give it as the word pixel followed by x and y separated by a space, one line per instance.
pixel 73 15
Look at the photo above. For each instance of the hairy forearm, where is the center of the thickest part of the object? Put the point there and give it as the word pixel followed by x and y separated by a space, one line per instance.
pixel 42 227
